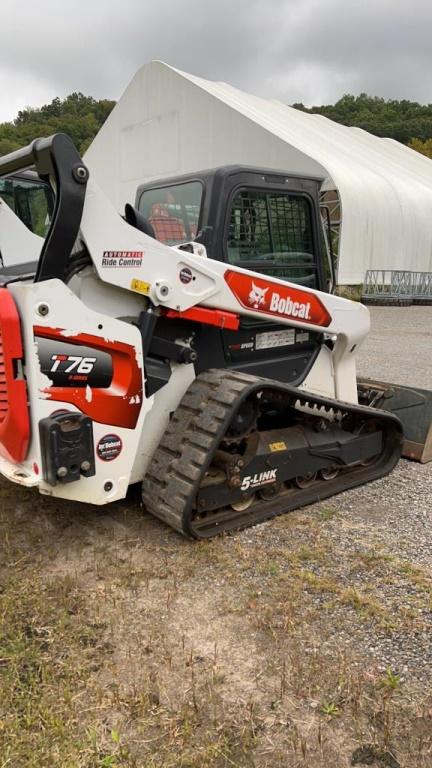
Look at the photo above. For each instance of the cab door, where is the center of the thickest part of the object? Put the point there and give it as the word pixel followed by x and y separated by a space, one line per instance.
pixel 273 232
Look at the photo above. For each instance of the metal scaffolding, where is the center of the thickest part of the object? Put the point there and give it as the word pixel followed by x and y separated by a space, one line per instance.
pixel 330 199
pixel 397 287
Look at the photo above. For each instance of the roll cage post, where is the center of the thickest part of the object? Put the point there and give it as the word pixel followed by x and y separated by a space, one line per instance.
pixel 57 162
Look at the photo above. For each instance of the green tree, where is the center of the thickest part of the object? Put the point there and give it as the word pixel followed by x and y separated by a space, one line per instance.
pixel 401 120
pixel 425 147
pixel 82 117
pixel 79 116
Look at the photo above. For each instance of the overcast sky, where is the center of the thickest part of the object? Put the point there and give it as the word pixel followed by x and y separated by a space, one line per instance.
pixel 295 50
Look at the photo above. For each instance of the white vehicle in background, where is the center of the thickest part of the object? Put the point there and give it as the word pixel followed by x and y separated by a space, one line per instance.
pixel 32 202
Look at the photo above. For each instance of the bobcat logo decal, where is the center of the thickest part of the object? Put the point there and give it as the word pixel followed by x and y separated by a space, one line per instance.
pixel 257 296
pixel 279 299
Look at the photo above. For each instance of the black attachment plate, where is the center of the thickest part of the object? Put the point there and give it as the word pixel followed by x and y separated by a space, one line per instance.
pixel 67 447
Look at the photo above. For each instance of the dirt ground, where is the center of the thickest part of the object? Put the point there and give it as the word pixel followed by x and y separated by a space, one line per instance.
pixel 305 641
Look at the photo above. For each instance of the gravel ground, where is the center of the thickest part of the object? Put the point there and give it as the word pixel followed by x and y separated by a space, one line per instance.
pixel 394 514
pixel 399 350
pixel 399 346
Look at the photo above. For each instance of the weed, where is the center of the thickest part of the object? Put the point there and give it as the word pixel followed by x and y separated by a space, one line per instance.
pixel 391 680
pixel 330 708
pixel 327 513
pixel 353 292
pixel 368 607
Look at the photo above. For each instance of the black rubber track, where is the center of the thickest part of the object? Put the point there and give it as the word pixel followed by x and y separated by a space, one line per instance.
pixel 194 433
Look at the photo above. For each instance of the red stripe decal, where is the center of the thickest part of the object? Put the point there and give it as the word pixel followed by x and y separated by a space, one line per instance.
pixel 217 317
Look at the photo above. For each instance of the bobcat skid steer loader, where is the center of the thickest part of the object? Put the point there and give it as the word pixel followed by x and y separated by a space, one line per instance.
pixel 110 372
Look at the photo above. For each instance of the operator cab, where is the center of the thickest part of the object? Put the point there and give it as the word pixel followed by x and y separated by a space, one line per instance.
pixel 261 220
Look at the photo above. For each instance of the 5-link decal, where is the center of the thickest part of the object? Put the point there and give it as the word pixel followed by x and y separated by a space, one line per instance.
pixel 262 478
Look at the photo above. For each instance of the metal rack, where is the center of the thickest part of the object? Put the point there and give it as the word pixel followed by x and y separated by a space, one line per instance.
pixel 397 287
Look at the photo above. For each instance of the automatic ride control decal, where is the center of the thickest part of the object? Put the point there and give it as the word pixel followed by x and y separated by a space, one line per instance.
pixel 122 258
pixel 277 300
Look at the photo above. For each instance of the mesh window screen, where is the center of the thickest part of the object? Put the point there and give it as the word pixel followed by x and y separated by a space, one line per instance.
pixel 271 232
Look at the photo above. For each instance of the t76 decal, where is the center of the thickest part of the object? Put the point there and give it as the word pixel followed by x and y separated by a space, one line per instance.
pixel 82 365
pixel 274 299
pixel 74 365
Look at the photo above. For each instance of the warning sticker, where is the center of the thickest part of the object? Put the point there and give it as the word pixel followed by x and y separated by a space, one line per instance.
pixel 140 286
pixel 272 339
pixel 109 447
pixel 281 446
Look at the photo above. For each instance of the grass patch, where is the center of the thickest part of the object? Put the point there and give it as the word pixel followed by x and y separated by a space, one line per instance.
pixel 327 513
pixel 47 652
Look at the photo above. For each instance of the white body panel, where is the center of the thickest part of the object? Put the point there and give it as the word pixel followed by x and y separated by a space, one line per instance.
pixel 165 402
pixel 66 311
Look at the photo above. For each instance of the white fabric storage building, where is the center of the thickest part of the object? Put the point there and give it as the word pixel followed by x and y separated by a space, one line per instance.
pixel 169 122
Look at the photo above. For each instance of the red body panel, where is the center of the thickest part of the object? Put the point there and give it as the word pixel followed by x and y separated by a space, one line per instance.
pixel 120 403
pixel 14 414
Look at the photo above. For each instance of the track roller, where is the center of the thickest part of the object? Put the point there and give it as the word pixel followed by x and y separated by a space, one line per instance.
pixel 305 481
pixel 329 473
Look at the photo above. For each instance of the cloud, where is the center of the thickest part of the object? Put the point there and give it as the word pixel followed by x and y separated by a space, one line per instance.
pixel 295 50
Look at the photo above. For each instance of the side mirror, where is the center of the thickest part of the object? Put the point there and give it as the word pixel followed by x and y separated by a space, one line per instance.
pixel 136 219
